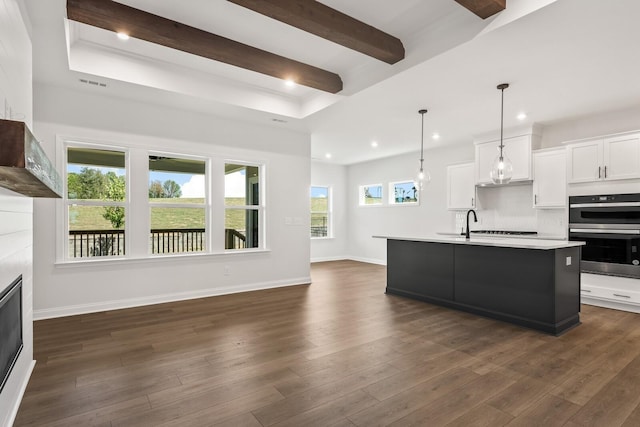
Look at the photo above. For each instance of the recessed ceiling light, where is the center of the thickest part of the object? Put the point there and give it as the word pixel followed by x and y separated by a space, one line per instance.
pixel 289 83
pixel 435 136
pixel 328 155
pixel 123 36
pixel 374 144
pixel 522 116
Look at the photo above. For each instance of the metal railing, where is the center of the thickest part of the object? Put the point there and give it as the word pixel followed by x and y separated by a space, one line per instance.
pixel 96 243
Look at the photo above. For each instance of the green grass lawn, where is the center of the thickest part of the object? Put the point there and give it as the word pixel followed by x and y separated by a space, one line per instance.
pixel 90 217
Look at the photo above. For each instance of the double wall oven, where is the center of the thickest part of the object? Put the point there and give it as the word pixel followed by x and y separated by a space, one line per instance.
pixel 610 225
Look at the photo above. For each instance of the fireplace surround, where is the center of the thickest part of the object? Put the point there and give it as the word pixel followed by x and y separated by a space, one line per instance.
pixel 10 329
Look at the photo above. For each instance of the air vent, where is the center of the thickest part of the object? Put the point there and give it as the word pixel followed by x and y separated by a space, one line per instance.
pixel 93 83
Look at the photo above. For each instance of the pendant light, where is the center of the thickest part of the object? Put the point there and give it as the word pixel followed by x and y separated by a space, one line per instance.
pixel 423 177
pixel 502 169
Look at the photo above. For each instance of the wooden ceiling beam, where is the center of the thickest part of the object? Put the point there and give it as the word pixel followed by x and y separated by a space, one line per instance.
pixel 484 8
pixel 118 17
pixel 316 18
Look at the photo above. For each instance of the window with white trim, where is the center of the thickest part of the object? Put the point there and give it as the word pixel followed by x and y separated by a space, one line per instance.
pixel 403 193
pixel 320 212
pixel 244 209
pixel 178 205
pixel 96 201
pixel 370 195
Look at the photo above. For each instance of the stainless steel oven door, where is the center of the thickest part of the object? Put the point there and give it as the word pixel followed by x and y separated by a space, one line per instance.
pixel 608 250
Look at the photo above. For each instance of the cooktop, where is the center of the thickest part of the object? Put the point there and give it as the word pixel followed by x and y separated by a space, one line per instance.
pixel 505 232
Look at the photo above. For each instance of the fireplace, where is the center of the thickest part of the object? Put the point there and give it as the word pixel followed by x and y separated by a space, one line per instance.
pixel 10 328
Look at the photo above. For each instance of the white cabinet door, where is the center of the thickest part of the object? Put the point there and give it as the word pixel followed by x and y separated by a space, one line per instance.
pixel 585 161
pixel 517 149
pixel 549 179
pixel 461 189
pixel 622 157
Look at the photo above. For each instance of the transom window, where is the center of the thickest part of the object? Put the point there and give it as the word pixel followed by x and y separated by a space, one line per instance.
pixel 403 192
pixel 370 195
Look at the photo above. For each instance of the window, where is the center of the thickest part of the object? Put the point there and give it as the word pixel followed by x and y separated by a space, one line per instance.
pixel 96 202
pixel 402 193
pixel 370 195
pixel 177 205
pixel 320 212
pixel 243 207
pixel 128 202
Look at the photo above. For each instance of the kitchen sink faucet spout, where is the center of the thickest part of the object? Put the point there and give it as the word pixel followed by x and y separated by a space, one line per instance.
pixel 475 219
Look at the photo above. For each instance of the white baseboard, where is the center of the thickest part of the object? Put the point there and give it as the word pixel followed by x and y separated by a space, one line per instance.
pixel 350 258
pixel 368 260
pixel 73 310
pixel 330 258
pixel 23 387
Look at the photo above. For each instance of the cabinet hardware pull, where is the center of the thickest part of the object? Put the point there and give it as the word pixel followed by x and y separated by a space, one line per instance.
pixel 605 171
pixel 473 201
pixel 621 296
pixel 585 290
pixel 535 199
pixel 599 172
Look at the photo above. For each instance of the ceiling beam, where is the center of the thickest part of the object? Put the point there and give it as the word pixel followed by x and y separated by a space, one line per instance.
pixel 316 18
pixel 484 8
pixel 118 17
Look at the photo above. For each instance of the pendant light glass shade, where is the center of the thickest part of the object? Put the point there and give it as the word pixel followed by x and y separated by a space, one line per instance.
pixel 423 176
pixel 502 169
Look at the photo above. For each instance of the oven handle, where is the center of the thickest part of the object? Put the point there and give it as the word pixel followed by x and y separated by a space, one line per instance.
pixel 605 205
pixel 602 231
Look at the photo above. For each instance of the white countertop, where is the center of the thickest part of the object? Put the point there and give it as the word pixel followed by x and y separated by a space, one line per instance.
pixel 510 242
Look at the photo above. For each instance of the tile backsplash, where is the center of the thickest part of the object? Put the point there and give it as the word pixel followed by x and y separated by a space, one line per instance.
pixel 511 208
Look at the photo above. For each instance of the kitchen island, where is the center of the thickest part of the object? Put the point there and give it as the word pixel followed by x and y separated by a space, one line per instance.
pixel 528 282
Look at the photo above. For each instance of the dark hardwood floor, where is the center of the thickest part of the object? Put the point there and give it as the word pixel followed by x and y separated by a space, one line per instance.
pixel 337 353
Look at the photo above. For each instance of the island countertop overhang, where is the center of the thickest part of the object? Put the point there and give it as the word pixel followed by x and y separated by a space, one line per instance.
pixel 517 243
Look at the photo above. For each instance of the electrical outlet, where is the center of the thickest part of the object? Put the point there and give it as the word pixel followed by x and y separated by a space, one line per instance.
pixel 227 270
pixel 288 220
pixel 568 260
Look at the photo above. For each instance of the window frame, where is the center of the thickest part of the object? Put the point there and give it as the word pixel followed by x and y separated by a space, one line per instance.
pixel 362 198
pixel 329 212
pixel 66 202
pixel 391 200
pixel 206 205
pixel 260 207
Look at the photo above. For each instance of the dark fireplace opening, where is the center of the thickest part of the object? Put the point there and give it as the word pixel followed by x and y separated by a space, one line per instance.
pixel 10 328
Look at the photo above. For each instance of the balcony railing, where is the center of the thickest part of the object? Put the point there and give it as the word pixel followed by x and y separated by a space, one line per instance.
pixel 97 243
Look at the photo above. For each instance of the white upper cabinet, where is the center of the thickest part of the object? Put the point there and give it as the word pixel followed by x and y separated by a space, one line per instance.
pixel 550 179
pixel 610 158
pixel 622 157
pixel 517 149
pixel 461 189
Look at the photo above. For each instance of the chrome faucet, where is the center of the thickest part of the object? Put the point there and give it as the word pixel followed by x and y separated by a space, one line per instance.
pixel 475 219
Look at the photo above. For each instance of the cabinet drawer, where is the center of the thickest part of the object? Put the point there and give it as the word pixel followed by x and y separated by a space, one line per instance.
pixel 630 297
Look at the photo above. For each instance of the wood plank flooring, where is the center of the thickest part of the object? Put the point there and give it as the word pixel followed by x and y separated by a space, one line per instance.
pixel 337 353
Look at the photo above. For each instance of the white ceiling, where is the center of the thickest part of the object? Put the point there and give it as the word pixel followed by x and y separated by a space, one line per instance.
pixel 563 59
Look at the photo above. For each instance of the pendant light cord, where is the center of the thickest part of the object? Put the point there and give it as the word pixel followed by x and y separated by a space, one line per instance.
pixel 422 112
pixel 502 87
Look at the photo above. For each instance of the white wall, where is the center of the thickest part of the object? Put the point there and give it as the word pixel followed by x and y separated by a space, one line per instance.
pixel 16 211
pixel 63 288
pixel 429 217
pixel 334 176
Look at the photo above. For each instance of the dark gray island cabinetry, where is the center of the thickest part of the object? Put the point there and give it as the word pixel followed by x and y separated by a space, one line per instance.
pixel 532 283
